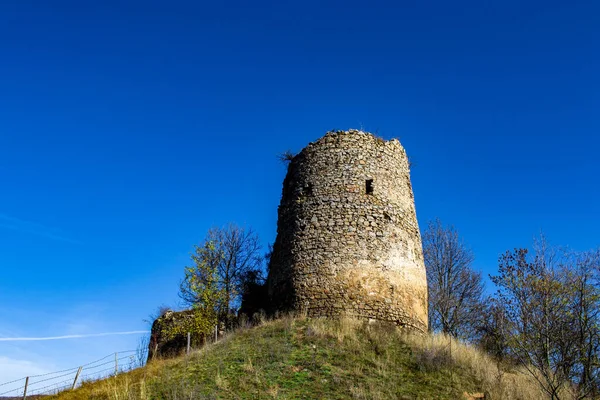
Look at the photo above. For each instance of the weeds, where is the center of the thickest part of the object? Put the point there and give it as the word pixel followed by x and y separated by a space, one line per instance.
pixel 297 357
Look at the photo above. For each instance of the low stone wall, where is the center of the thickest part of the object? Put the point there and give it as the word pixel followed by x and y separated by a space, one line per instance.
pixel 165 344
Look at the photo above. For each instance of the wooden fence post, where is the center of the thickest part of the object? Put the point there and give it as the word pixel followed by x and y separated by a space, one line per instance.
pixel 216 333
pixel 116 364
pixel 188 343
pixel 25 390
pixel 76 377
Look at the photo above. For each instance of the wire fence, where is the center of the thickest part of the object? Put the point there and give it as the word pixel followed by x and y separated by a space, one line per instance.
pixel 54 382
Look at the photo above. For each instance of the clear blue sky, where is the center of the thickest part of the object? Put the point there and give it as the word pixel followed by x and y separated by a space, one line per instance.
pixel 127 129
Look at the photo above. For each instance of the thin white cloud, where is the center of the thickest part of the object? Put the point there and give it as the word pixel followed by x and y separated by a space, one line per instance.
pixel 35 339
pixel 19 225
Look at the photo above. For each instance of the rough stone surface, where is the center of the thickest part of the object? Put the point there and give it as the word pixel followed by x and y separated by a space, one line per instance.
pixel 348 242
pixel 163 345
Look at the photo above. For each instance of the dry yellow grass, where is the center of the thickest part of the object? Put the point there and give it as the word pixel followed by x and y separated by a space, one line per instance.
pixel 497 381
pixel 318 358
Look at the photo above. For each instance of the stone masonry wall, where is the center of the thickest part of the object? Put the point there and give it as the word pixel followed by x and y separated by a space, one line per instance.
pixel 348 242
pixel 163 343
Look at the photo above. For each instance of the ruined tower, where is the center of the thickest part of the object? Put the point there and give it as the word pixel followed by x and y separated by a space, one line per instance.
pixel 348 242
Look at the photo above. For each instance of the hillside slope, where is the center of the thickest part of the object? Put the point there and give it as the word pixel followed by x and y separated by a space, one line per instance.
pixel 298 358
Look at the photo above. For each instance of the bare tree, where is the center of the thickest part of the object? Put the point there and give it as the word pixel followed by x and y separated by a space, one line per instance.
pixel 156 314
pixel 455 289
pixel 286 157
pixel 141 351
pixel 234 252
pixel 492 330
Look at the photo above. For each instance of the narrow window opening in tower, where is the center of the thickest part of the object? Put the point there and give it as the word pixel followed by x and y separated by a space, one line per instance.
pixel 308 189
pixel 369 186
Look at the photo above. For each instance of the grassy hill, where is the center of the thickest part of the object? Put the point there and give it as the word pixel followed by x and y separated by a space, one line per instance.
pixel 300 358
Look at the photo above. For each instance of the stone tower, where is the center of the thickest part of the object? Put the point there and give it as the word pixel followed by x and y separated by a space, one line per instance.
pixel 348 242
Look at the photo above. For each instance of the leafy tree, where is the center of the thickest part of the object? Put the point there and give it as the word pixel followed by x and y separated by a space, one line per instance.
pixel 455 289
pixel 221 264
pixel 552 303
pixel 200 287
pixel 535 301
pixel 582 278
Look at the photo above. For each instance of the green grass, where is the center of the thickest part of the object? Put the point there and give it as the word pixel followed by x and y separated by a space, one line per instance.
pixel 299 358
